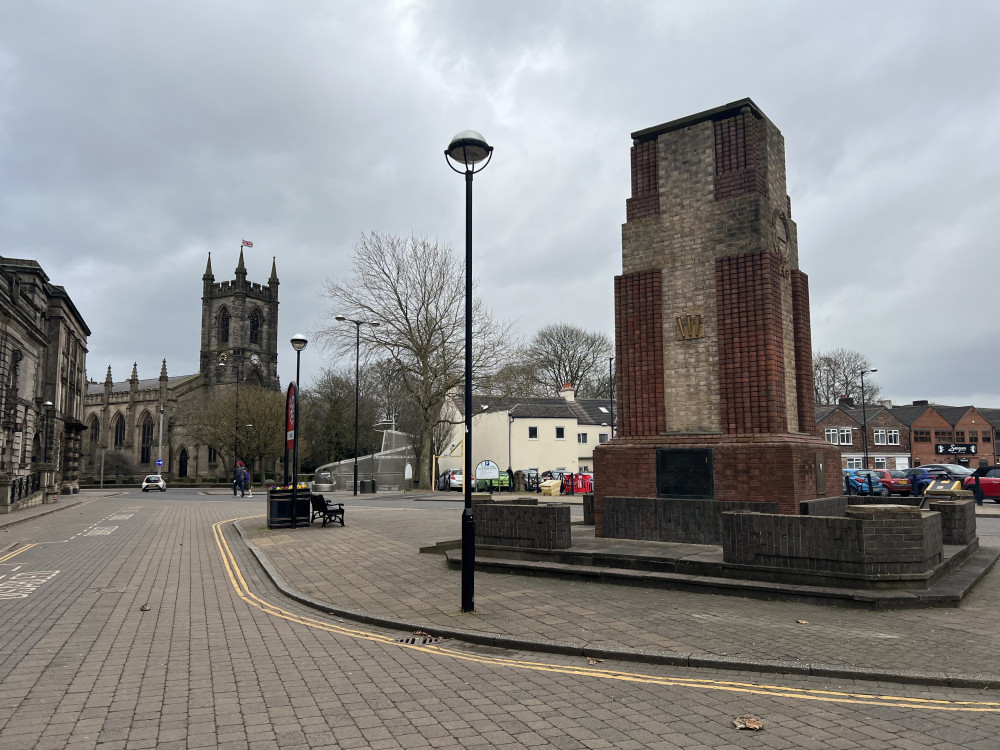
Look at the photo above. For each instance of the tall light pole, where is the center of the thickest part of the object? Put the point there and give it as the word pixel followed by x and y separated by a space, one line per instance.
pixel 357 383
pixel 223 358
pixel 468 149
pixel 298 343
pixel 864 416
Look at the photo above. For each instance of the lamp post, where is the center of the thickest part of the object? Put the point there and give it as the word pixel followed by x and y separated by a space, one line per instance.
pixel 47 416
pixel 864 416
pixel 468 149
pixel 223 358
pixel 298 343
pixel 357 383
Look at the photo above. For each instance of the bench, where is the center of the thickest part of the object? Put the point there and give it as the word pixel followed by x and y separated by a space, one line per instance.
pixel 330 511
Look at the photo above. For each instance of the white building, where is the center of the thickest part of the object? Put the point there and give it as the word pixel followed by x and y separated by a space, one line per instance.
pixel 531 433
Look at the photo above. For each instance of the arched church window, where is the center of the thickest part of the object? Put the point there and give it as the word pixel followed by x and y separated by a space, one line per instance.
pixel 146 438
pixel 95 429
pixel 119 430
pixel 224 326
pixel 255 327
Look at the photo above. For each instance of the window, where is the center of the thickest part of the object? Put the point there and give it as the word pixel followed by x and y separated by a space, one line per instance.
pixel 602 437
pixel 146 441
pixel 893 437
pixel 854 463
pixel 212 456
pixel 119 431
pixel 532 433
pixel 986 436
pixel 255 327
pixel 833 435
pixel 973 436
pixel 921 436
pixel 581 438
pixel 224 326
pixel 959 436
pixel 942 436
pixel 560 433
pixel 880 438
pixel 880 463
pixel 845 437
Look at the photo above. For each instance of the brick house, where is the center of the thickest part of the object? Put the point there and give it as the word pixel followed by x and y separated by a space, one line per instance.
pixel 888 436
pixel 951 434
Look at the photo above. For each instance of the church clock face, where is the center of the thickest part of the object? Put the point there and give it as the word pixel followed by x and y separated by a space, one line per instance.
pixel 255 359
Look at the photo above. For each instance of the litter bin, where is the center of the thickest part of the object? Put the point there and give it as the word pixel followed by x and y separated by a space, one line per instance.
pixel 551 487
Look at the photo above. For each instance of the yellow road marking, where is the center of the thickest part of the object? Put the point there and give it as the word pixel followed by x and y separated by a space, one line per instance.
pixel 775 691
pixel 18 551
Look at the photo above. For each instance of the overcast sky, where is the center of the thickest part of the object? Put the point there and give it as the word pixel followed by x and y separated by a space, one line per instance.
pixel 137 137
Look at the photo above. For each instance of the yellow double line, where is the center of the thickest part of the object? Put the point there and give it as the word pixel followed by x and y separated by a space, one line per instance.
pixel 16 552
pixel 772 691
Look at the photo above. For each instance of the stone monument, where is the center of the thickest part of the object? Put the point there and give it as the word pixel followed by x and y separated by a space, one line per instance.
pixel 712 332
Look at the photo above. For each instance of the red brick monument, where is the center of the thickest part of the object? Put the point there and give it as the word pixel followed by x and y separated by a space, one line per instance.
pixel 713 342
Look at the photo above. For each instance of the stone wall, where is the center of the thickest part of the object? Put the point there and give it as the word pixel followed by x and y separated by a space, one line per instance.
pixel 870 541
pixel 669 519
pixel 523 526
pixel 958 520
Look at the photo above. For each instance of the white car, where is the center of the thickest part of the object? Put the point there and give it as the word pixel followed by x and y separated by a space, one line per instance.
pixel 154 482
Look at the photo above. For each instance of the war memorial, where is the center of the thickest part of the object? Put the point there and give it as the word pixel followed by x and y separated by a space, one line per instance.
pixel 715 480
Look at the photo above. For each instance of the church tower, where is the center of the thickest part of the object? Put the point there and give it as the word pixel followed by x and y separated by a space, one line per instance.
pixel 239 328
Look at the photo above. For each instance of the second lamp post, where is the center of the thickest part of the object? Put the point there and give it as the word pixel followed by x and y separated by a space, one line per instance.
pixel 468 149
pixel 864 416
pixel 357 386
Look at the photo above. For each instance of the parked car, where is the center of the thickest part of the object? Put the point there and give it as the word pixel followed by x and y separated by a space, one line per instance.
pixel 956 471
pixel 919 478
pixel 989 482
pixel 154 482
pixel 450 480
pixel 895 480
pixel 552 474
pixel 856 483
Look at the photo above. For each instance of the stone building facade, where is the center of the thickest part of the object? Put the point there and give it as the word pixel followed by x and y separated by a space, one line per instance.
pixel 239 345
pixel 712 329
pixel 43 350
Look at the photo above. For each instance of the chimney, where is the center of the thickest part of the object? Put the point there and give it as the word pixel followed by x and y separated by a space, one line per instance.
pixel 846 401
pixel 925 402
pixel 568 393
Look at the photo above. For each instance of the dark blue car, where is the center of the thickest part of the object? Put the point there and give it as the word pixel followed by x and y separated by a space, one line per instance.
pixel 919 478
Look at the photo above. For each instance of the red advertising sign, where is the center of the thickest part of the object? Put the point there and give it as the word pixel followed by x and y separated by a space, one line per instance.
pixel 290 417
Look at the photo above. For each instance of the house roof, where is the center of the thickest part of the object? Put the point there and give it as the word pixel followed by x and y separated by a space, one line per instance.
pixel 991 415
pixel 584 410
pixel 910 414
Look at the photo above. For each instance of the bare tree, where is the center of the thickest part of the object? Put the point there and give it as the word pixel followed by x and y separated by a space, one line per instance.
pixel 328 418
pixel 561 353
pixel 837 374
pixel 415 289
pixel 259 424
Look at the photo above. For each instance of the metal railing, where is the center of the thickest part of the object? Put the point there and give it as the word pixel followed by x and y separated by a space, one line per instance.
pixel 24 486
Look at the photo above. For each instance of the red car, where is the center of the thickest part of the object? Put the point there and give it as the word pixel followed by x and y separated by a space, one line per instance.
pixel 895 480
pixel 989 482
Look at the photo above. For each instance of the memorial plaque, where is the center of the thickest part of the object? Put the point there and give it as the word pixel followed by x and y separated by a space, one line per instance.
pixel 685 472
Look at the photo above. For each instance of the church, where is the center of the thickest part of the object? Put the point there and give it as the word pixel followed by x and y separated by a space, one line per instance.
pixel 239 345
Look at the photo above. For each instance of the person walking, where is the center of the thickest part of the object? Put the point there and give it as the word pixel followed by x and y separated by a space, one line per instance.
pixel 246 482
pixel 238 479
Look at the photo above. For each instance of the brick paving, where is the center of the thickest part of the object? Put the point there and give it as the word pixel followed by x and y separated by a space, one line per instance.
pixel 372 566
pixel 83 665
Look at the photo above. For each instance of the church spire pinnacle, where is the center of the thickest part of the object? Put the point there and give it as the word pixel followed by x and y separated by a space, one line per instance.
pixel 274 272
pixel 209 276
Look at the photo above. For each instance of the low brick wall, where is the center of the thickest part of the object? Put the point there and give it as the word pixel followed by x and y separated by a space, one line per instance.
pixel 958 520
pixel 523 526
pixel 588 509
pixel 871 540
pixel 837 506
pixel 671 520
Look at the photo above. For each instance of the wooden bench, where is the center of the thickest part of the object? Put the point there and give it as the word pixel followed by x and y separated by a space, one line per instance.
pixel 328 510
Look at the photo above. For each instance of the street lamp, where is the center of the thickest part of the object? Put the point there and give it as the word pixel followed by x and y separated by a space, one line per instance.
pixel 298 344
pixel 45 431
pixel 468 149
pixel 236 417
pixel 864 416
pixel 357 386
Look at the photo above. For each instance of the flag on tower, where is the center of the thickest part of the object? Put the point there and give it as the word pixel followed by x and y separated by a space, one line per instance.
pixel 247 243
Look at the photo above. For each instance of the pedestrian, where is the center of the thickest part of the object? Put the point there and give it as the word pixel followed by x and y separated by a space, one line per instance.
pixel 246 482
pixel 510 479
pixel 238 479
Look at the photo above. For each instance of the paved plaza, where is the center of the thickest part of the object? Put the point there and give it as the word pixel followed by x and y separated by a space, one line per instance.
pixel 146 621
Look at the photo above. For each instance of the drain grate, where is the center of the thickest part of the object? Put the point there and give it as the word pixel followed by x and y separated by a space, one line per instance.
pixel 420 640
